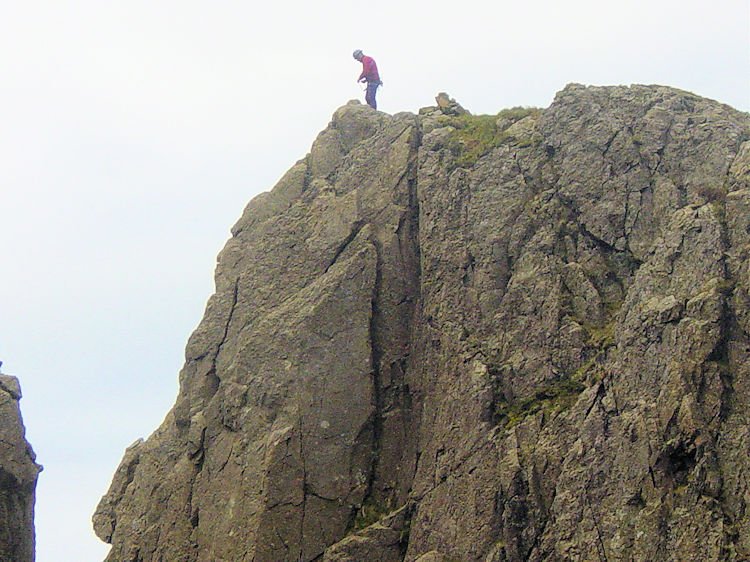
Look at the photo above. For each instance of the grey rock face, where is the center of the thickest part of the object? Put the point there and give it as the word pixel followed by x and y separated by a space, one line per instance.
pixel 449 337
pixel 294 372
pixel 18 475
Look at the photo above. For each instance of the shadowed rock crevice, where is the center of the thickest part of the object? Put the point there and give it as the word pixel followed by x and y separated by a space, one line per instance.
pixel 484 338
pixel 356 227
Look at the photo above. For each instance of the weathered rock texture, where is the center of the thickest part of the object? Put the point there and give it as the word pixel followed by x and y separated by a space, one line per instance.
pixel 455 337
pixel 18 474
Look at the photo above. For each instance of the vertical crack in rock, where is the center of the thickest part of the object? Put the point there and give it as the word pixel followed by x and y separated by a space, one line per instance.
pixel 305 489
pixel 232 308
pixel 377 354
pixel 600 543
pixel 720 353
pixel 356 227
pixel 394 294
pixel 414 225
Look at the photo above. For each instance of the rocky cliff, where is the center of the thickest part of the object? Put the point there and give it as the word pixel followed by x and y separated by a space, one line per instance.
pixel 18 474
pixel 455 337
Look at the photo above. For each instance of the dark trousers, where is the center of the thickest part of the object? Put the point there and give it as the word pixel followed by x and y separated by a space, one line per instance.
pixel 372 87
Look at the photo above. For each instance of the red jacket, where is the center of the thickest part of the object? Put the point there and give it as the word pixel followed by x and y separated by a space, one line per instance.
pixel 369 70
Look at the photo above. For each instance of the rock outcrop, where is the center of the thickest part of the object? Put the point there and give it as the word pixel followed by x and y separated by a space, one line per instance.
pixel 18 474
pixel 454 337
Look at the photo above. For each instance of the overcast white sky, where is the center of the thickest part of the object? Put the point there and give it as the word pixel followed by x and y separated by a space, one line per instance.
pixel 133 134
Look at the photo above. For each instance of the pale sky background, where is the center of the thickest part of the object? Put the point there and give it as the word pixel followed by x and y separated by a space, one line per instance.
pixel 134 133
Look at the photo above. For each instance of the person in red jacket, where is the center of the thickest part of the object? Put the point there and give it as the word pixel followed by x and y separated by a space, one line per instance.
pixel 369 75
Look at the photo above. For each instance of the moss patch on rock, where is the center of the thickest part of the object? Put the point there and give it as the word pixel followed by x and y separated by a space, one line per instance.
pixel 371 512
pixel 601 339
pixel 555 397
pixel 477 135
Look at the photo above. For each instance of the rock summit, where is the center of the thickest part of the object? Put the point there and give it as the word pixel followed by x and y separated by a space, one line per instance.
pixel 482 338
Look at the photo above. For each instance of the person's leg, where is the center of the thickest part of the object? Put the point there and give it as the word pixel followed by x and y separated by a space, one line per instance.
pixel 372 88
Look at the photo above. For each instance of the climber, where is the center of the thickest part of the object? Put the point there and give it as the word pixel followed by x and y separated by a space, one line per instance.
pixel 369 75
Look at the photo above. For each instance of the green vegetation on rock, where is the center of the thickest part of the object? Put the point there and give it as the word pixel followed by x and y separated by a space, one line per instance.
pixel 601 338
pixel 555 397
pixel 562 394
pixel 517 113
pixel 476 135
pixel 370 512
